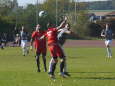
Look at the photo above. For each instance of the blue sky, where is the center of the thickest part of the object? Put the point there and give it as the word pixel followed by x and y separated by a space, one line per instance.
pixel 24 2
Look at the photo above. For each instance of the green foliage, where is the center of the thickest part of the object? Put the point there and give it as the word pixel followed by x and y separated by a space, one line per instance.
pixel 80 26
pixel 28 16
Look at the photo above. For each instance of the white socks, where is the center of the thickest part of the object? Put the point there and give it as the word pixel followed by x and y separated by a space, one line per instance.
pixel 109 52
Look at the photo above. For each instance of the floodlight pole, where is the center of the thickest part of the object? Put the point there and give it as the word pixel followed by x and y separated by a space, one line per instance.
pixel 56 11
pixel 37 12
pixel 75 10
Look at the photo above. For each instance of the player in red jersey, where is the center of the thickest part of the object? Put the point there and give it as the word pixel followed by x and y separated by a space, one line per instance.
pixel 40 46
pixel 54 48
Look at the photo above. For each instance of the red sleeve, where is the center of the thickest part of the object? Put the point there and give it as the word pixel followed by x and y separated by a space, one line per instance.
pixel 33 34
pixel 55 29
pixel 45 33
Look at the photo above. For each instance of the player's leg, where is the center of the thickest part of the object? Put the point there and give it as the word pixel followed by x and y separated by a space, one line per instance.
pixel 109 52
pixel 38 61
pixel 52 67
pixel 2 45
pixel 65 68
pixel 60 54
pixel 53 61
pixel 62 63
pixel 109 49
pixel 44 61
pixel 26 48
pixel 23 48
pixel 65 63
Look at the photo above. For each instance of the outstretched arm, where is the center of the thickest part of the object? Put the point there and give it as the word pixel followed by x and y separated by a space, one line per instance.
pixel 62 23
pixel 69 32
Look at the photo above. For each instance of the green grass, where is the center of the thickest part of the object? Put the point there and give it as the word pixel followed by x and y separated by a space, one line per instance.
pixel 87 66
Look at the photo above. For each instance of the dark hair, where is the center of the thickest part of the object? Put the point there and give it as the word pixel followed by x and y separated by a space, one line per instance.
pixel 50 24
pixel 69 26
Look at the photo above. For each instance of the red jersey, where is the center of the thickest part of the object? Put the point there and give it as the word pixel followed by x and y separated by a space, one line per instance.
pixel 51 35
pixel 37 41
pixel 55 49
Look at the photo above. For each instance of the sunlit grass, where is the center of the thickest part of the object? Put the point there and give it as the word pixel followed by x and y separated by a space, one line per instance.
pixel 87 66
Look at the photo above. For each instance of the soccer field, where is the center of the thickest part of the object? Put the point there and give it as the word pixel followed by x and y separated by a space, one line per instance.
pixel 87 66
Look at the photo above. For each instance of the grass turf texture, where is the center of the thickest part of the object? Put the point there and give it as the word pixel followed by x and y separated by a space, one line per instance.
pixel 87 66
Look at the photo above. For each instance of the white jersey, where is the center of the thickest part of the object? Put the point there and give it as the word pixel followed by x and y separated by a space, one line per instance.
pixel 62 36
pixel 23 35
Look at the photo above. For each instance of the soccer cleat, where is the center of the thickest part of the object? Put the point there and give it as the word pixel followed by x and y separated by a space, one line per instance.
pixel 62 75
pixel 67 74
pixel 24 55
pixel 52 76
pixel 110 56
pixel 38 70
pixel 45 70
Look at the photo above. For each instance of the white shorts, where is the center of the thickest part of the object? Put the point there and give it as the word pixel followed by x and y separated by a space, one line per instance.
pixel 108 42
pixel 23 43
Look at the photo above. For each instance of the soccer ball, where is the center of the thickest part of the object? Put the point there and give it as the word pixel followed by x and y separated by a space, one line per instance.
pixel 42 13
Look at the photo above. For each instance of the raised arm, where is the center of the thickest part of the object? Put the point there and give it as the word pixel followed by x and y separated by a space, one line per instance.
pixel 62 23
pixel 102 33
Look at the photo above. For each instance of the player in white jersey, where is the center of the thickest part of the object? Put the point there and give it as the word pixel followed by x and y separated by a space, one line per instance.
pixel 107 34
pixel 24 40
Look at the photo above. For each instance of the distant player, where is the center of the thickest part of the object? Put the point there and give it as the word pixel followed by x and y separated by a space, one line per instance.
pixel 40 46
pixel 107 34
pixel 24 40
pixel 1 44
pixel 55 49
pixel 3 40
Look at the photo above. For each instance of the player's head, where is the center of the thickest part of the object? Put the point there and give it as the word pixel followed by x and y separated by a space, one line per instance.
pixel 67 26
pixel 37 27
pixel 107 25
pixel 50 24
pixel 23 29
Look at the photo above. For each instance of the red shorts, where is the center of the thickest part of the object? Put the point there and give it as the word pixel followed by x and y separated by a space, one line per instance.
pixel 56 51
pixel 41 49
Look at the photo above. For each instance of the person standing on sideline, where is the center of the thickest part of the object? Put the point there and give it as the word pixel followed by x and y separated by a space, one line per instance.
pixel 107 34
pixel 24 40
pixel 40 46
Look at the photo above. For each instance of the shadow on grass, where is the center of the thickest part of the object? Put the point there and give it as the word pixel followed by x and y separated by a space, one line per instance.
pixel 76 57
pixel 91 72
pixel 94 77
